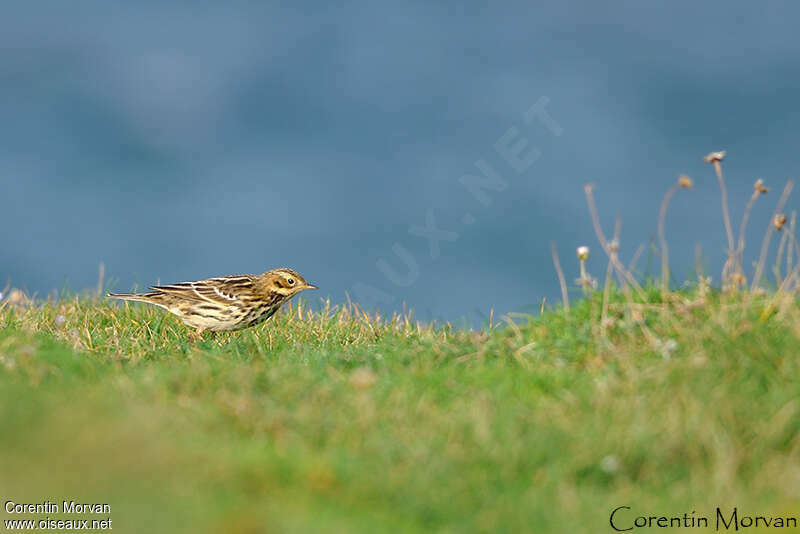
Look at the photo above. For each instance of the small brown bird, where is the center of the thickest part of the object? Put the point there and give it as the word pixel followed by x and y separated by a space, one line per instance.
pixel 225 303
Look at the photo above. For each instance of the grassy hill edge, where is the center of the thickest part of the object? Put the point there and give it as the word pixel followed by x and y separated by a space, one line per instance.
pixel 335 420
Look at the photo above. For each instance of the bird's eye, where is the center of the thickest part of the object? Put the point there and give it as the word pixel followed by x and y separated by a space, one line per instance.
pixel 291 281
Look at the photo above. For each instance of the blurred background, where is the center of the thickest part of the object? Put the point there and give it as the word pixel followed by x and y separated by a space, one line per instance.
pixel 180 140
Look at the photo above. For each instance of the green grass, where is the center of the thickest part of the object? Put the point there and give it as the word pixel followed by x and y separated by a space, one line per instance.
pixel 333 422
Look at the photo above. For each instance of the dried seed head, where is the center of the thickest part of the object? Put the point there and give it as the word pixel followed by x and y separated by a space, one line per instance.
pixel 685 182
pixel 778 221
pixel 759 187
pixel 714 157
pixel 583 253
pixel 738 279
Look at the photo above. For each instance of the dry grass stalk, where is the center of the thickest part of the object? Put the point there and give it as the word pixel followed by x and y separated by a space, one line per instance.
pixel 787 190
pixel 621 270
pixel 635 258
pixel 715 158
pixel 698 260
pixel 586 281
pixel 683 182
pixel 562 281
pixel 101 275
pixel 787 247
pixel 788 283
pixel 790 246
pixel 758 190
pixel 609 271
pixel 787 289
pixel 776 270
pixel 611 248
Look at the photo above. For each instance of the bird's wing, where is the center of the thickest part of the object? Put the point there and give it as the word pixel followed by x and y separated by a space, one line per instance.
pixel 225 290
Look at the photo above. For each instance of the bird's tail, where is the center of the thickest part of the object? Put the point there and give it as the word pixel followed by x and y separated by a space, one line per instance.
pixel 141 297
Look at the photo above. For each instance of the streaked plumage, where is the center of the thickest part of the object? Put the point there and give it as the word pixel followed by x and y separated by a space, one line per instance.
pixel 227 302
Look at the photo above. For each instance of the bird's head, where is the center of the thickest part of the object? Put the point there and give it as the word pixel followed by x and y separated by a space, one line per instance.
pixel 286 282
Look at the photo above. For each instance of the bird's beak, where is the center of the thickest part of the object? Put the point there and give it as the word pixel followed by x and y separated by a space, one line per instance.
pixel 310 286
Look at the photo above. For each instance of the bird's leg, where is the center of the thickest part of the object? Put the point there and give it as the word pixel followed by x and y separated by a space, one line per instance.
pixel 216 338
pixel 197 335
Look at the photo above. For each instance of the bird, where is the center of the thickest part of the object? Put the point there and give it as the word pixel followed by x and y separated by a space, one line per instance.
pixel 229 302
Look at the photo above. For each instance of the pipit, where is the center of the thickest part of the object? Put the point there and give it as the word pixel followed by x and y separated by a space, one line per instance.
pixel 225 303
